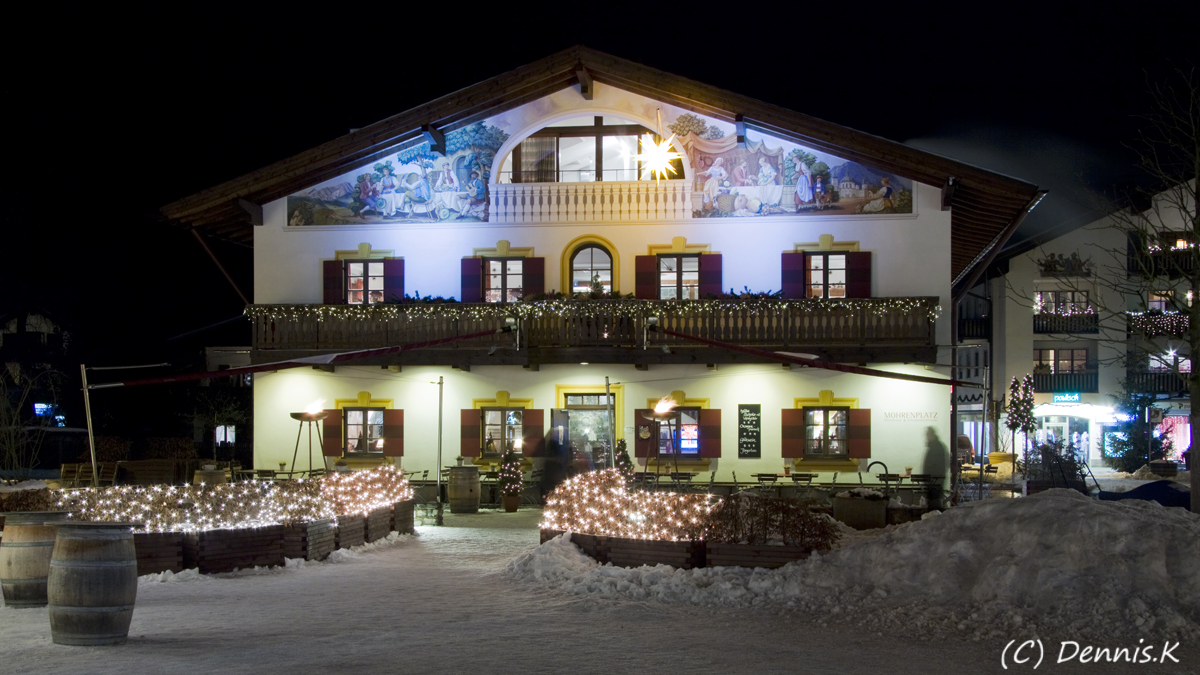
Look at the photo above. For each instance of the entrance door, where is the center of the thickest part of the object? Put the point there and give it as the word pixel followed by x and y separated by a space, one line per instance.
pixel 586 428
pixel 560 426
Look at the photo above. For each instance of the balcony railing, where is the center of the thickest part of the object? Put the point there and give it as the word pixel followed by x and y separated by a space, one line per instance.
pixel 1156 383
pixel 1059 383
pixel 592 201
pixel 1072 323
pixel 1159 324
pixel 868 322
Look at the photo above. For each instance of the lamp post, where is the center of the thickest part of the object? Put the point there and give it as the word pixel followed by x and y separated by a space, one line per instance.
pixel 310 418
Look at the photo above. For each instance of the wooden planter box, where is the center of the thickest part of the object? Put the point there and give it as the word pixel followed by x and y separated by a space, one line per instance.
pixel 379 523
pixel 637 552
pixel 310 540
pixel 351 531
pixel 215 551
pixel 861 514
pixel 402 517
pixel 753 555
pixel 158 552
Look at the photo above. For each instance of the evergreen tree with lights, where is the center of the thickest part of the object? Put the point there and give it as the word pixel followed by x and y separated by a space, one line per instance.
pixel 624 464
pixel 510 480
pixel 1020 411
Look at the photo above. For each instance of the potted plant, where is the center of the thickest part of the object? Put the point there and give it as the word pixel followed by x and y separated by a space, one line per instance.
pixel 510 481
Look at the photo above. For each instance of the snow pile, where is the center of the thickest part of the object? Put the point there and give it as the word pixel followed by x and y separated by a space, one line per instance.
pixel 1144 473
pixel 1055 564
pixel 341 555
pixel 23 485
pixel 861 492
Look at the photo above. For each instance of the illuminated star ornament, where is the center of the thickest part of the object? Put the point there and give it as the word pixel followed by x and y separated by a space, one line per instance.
pixel 656 157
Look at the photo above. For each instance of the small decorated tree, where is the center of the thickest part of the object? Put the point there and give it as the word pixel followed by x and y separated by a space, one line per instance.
pixel 1020 412
pixel 510 480
pixel 624 464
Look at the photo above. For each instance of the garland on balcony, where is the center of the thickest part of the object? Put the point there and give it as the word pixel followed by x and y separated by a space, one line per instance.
pixel 1154 324
pixel 566 307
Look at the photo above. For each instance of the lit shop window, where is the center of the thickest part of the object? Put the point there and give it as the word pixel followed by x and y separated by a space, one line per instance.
pixel 503 280
pixel 364 282
pixel 681 432
pixel 364 431
pixel 502 430
pixel 825 431
pixel 825 275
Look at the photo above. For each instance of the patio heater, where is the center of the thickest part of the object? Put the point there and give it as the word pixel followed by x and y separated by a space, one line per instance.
pixel 311 418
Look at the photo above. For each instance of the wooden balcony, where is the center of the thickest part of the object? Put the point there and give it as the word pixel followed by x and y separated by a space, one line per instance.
pixel 1062 383
pixel 873 329
pixel 603 201
pixel 1059 323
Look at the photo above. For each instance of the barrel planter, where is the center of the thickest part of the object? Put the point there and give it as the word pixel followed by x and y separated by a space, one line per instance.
pixel 25 556
pixel 93 583
pixel 463 489
pixel 402 517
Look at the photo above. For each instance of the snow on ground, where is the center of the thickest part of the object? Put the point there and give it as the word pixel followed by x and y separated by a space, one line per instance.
pixel 1057 563
pixel 23 485
pixel 480 596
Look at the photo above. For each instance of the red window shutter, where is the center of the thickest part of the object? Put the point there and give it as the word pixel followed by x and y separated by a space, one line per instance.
pixel 393 433
pixel 334 282
pixel 792 276
pixel 331 434
pixel 533 432
pixel 643 447
pixel 710 275
pixel 858 275
pixel 533 273
pixel 645 284
pixel 393 280
pixel 792 441
pixel 472 280
pixel 858 433
pixel 710 433
pixel 469 433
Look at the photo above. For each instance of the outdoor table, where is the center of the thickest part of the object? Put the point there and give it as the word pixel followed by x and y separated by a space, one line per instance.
pixel 767 481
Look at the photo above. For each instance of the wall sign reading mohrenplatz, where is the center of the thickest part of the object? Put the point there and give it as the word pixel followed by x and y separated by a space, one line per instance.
pixel 750 430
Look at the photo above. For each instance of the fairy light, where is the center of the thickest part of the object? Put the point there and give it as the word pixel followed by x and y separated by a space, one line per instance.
pixel 170 508
pixel 1157 324
pixel 599 502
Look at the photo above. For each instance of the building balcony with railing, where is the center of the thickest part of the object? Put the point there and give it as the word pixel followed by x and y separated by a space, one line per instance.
pixel 1084 382
pixel 1156 382
pixel 614 331
pixel 1074 322
pixel 1158 324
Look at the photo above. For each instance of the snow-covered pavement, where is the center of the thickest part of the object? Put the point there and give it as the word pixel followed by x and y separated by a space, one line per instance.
pixel 479 596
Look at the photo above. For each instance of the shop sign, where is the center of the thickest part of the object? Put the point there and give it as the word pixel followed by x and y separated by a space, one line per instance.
pixel 1066 398
pixel 750 430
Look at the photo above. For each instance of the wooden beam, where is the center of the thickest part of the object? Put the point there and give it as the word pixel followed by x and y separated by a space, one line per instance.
pixel 586 87
pixel 739 123
pixel 948 191
pixel 435 139
pixel 255 211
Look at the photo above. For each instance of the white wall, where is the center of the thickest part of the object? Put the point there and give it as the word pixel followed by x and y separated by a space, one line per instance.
pixel 898 440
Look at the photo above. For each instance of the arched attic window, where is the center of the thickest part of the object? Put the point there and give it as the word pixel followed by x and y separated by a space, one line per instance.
pixel 581 150
pixel 591 263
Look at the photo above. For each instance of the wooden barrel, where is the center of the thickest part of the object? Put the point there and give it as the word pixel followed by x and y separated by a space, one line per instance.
pixel 92 584
pixel 25 557
pixel 463 489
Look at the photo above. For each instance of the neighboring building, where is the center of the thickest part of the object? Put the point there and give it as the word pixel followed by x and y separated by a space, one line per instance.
pixel 1058 317
pixel 527 184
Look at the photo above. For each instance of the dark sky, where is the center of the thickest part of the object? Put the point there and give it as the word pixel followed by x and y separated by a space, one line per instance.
pixel 116 114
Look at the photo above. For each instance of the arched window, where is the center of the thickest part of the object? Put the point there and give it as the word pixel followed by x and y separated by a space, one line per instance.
pixel 591 264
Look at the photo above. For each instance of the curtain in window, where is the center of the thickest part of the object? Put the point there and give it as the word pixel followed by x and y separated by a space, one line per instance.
pixel 539 160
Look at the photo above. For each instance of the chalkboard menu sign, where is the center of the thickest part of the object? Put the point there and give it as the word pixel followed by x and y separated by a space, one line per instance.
pixel 750 430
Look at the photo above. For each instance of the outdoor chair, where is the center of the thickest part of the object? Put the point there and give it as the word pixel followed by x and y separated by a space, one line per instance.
pixel 108 473
pixel 531 487
pixel 84 477
pixel 68 475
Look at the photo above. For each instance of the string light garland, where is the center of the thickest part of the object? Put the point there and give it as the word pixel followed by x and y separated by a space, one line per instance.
pixel 567 307
pixel 509 477
pixel 191 508
pixel 598 502
pixel 1155 324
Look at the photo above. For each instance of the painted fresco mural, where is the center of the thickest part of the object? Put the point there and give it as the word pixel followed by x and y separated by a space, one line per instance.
pixel 413 185
pixel 772 176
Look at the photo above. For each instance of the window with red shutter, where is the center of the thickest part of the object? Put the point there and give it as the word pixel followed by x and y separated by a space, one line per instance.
pixel 472 279
pixel 469 432
pixel 393 433
pixel 331 434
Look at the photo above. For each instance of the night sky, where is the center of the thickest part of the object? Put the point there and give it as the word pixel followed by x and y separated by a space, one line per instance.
pixel 114 114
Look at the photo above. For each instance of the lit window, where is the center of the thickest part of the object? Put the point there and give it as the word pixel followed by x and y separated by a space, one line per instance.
pixel 583 149
pixel 226 433
pixel 503 281
pixel 591 264
pixel 1058 361
pixel 364 431
pixel 678 277
pixel 1159 301
pixel 502 430
pixel 364 282
pixel 1062 302
pixel 825 431
pixel 825 275
pixel 681 431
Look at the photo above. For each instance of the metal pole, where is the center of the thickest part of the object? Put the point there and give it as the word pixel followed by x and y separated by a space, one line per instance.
pixel 439 520
pixel 612 427
pixel 87 411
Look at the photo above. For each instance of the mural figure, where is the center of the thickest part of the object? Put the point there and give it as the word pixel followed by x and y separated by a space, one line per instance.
pixel 766 172
pixel 741 175
pixel 365 198
pixel 447 181
pixel 880 200
pixel 476 197
pixel 417 192
pixel 804 193
pixel 820 194
pixel 716 176
pixel 389 190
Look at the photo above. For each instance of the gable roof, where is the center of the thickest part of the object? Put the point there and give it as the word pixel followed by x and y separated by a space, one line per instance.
pixel 985 206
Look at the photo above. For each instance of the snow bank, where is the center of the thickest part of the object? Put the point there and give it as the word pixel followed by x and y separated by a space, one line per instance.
pixel 24 485
pixel 341 555
pixel 1055 564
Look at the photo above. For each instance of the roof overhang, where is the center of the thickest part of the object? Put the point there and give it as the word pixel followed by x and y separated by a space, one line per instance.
pixel 985 206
